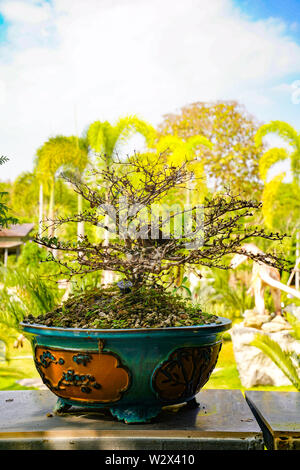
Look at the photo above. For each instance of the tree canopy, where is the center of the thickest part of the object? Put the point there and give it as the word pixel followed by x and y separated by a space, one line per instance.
pixel 233 159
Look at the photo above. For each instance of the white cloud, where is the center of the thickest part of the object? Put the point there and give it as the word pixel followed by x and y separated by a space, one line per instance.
pixel 25 12
pixel 99 60
pixel 283 88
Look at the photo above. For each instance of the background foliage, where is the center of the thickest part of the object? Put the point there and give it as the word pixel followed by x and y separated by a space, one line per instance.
pixel 225 146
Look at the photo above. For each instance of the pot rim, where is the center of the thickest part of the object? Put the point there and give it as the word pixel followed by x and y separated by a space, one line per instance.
pixel 215 327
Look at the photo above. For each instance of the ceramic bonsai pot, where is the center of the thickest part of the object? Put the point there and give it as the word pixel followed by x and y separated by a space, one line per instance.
pixel 133 372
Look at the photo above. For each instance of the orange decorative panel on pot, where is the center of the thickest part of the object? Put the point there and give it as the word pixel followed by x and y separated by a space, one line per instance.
pixel 93 376
pixel 185 372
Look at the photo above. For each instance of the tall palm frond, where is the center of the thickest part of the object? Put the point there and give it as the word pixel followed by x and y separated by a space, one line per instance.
pixel 269 159
pixel 290 136
pixel 269 198
pixel 177 150
pixel 273 190
pixel 61 153
pixel 281 128
pixel 105 138
pixel 25 194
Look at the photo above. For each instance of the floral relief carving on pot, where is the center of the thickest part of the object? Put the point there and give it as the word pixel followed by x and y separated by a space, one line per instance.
pixel 185 372
pixel 93 377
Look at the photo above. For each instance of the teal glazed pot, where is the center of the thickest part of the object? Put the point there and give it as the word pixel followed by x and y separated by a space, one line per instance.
pixel 133 372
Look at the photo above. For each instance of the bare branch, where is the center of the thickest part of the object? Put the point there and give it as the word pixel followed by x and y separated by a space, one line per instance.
pixel 225 224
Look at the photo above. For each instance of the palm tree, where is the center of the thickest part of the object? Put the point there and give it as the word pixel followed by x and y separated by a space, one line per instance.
pixel 105 139
pixel 273 188
pixel 57 153
pixel 24 195
pixel 177 151
pixel 274 155
pixel 76 158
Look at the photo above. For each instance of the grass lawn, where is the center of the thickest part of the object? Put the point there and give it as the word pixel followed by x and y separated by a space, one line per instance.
pixel 225 375
pixel 20 366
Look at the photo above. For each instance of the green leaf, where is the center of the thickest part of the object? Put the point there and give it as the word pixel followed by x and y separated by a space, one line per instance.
pixel 295 323
pixel 281 358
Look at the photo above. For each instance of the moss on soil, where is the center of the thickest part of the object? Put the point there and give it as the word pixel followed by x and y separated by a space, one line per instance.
pixel 109 307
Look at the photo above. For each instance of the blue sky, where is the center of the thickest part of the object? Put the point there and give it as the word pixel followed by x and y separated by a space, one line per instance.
pixel 286 10
pixel 3 29
pixel 66 63
pixel 286 13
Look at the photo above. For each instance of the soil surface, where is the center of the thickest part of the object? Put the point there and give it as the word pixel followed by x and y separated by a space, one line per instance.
pixel 112 307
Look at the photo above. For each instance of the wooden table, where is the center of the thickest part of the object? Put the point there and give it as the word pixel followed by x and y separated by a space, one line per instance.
pixel 223 421
pixel 278 414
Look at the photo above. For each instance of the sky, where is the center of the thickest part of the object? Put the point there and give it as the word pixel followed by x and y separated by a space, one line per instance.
pixel 67 63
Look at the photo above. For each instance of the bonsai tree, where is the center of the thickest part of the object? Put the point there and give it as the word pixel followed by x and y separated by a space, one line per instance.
pixel 148 242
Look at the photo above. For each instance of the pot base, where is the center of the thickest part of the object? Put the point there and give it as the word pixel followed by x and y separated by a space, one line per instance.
pixel 135 414
pixel 128 414
pixel 61 406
